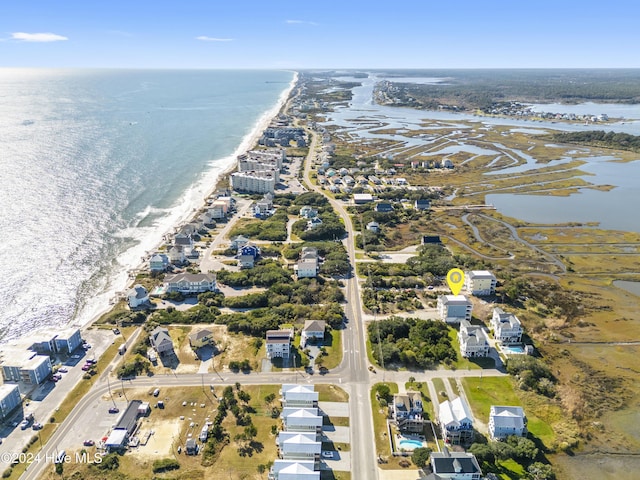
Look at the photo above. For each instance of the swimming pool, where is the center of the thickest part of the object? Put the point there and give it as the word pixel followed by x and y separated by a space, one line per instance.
pixel 408 444
pixel 513 349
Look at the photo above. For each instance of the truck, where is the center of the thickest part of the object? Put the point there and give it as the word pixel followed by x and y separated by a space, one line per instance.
pixel 204 433
pixel 122 348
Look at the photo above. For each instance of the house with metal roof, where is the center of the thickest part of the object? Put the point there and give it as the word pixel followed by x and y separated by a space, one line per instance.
pixel 456 422
pixel 505 421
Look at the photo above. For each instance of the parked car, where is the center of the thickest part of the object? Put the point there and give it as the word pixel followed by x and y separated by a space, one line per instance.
pixel 24 424
pixel 86 367
pixel 36 426
pixel 63 369
pixel 156 392
pixel 116 331
pixel 88 443
pixel 114 410
pixel 91 361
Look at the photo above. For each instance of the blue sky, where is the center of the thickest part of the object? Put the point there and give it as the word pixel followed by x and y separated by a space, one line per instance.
pixel 327 34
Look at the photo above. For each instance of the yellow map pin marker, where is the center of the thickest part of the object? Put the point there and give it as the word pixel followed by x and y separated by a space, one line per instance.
pixel 455 280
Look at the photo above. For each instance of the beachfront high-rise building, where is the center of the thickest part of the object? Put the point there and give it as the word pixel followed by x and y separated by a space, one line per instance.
pixel 254 181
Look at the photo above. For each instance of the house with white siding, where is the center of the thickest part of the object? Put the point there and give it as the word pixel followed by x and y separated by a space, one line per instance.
pixel 298 446
pixel 301 420
pixel 279 343
pixel 299 396
pixel 474 341
pixel 505 421
pixel 191 283
pixel 456 422
pixel 448 465
pixel 137 296
pixel 506 327
pixel 293 470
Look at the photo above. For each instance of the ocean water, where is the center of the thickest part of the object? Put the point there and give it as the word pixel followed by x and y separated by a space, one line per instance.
pixel 96 165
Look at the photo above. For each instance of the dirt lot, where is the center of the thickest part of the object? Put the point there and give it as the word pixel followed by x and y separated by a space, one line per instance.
pixel 159 445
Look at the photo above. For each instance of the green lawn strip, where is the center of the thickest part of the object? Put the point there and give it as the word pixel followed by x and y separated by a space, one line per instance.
pixel 379 420
pixel 510 470
pixel 454 386
pixel 334 352
pixel 331 393
pixel 331 475
pixel 438 383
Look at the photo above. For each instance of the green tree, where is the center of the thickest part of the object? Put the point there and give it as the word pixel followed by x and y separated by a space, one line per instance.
pixel 420 456
pixel 540 471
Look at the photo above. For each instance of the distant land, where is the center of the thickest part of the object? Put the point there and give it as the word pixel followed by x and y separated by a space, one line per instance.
pixel 469 90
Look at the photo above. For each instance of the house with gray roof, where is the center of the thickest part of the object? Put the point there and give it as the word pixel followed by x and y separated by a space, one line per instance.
pixel 161 340
pixel 505 421
pixel 448 465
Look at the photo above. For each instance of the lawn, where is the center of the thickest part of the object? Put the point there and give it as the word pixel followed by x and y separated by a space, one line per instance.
pixel 331 393
pixel 541 413
pixel 487 391
pixel 333 346
pixel 383 448
pixel 438 383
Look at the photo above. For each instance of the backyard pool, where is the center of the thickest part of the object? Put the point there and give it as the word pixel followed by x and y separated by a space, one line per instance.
pixel 408 444
pixel 513 349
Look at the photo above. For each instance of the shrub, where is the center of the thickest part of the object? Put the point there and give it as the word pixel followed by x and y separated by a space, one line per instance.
pixel 165 465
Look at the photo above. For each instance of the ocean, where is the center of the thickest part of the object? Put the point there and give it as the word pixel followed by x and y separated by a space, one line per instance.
pixel 97 165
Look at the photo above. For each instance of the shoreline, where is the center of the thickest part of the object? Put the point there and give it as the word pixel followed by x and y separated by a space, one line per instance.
pixel 187 204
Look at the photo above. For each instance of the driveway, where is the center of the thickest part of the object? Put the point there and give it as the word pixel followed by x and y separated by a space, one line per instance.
pixel 334 409
pixel 336 434
pixel 341 462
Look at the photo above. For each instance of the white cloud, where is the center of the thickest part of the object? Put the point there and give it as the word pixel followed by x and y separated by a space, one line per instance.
pixel 204 38
pixel 300 22
pixel 37 37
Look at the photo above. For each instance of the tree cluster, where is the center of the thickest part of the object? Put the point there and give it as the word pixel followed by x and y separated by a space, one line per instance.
pixel 532 374
pixel 411 342
pixel 273 228
pixel 600 138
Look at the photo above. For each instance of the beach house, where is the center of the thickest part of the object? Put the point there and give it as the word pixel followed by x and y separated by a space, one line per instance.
pixel 293 470
pixel 191 283
pixel 298 396
pixel 301 420
pixel 298 446
pixel 480 282
pixel 158 262
pixel 407 411
pixel 201 338
pixel 160 340
pixel 448 465
pixel 505 421
pixel 454 308
pixel 137 296
pixel 473 340
pixel 312 330
pixel 456 422
pixel 279 343
pixel 506 327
